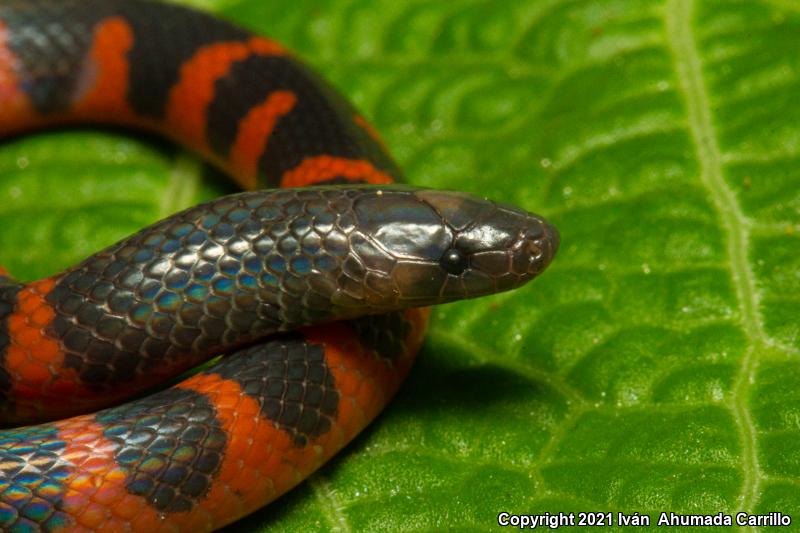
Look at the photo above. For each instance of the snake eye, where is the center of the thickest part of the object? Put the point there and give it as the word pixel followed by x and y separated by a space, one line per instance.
pixel 454 261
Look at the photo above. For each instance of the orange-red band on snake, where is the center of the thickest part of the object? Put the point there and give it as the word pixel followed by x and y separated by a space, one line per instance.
pixel 254 131
pixel 15 105
pixel 105 79
pixel 194 92
pixel 324 168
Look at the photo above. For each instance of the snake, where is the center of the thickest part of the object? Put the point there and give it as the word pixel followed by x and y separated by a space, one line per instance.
pixel 314 282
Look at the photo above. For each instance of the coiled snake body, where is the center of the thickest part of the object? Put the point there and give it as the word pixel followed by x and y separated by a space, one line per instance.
pixel 218 278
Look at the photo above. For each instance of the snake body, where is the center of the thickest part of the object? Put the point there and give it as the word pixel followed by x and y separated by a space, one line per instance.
pixel 248 274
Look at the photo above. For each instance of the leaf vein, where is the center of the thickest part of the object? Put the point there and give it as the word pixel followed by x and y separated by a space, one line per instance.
pixel 332 509
pixel 683 44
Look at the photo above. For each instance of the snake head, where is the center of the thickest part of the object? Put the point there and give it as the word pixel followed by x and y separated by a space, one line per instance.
pixel 431 246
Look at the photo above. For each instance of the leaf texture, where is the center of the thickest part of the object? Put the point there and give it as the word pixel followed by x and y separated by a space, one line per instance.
pixel 654 368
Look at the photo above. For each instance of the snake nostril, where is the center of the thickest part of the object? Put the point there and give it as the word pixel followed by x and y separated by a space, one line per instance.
pixel 538 245
pixel 535 248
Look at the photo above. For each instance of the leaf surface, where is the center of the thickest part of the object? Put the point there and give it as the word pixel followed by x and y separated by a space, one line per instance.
pixel 654 367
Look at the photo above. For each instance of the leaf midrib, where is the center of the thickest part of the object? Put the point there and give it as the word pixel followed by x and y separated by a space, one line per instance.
pixel 683 44
pixel 331 507
pixel 184 180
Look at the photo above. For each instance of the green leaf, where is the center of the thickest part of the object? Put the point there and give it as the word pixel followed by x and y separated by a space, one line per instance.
pixel 654 368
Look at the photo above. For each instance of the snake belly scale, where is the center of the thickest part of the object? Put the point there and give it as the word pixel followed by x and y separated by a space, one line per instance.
pixel 314 285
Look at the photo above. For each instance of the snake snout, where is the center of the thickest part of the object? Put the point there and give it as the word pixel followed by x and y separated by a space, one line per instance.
pixel 534 248
pixel 553 239
pixel 537 247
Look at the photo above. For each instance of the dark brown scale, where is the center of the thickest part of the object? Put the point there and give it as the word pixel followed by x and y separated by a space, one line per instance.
pixel 8 297
pixel 211 278
pixel 51 40
pixel 171 444
pixel 292 383
pixel 383 334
